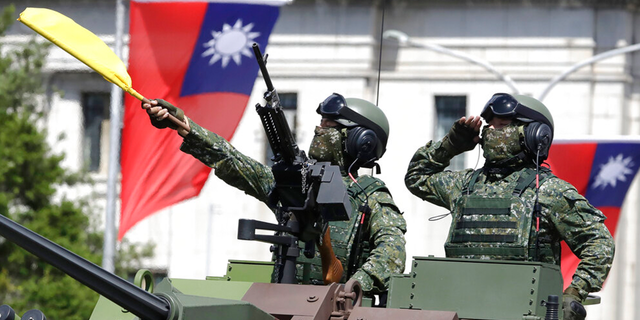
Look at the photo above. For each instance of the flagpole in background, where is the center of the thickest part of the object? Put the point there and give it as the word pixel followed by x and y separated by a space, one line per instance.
pixel 114 152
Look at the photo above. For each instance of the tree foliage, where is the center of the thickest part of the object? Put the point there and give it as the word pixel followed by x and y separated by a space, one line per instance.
pixel 29 176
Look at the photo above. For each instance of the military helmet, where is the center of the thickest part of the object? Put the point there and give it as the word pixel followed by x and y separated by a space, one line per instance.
pixel 538 133
pixel 519 106
pixel 367 126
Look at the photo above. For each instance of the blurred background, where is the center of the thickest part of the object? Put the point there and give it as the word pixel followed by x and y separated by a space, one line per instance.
pixel 425 63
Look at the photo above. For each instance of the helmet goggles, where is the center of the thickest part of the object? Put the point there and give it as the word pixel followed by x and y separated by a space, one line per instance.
pixel 507 106
pixel 501 105
pixel 332 106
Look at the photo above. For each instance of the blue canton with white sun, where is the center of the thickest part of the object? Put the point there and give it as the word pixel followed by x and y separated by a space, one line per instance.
pixel 614 167
pixel 222 59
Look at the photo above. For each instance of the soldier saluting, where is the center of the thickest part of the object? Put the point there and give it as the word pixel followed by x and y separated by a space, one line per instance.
pixel 512 208
pixel 370 253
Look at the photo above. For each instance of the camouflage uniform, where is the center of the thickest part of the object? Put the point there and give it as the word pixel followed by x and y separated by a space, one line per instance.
pixel 385 229
pixel 566 215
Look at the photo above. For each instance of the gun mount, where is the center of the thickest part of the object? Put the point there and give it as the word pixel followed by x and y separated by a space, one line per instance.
pixel 307 194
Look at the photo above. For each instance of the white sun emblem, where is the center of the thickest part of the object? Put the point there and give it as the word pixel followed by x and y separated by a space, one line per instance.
pixel 613 171
pixel 230 43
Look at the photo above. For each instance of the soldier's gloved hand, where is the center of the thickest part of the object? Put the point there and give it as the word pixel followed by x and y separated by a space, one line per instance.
pixel 156 114
pixel 463 136
pixel 572 307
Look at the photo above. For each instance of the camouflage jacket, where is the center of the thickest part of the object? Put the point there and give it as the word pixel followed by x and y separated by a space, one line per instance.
pixel 386 225
pixel 566 215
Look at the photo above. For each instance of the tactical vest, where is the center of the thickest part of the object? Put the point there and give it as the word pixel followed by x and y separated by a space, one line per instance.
pixel 501 226
pixel 343 234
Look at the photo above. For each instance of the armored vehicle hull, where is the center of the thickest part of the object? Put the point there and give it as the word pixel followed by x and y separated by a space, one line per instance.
pixel 435 288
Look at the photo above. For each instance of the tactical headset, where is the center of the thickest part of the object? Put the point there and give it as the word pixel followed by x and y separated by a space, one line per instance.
pixel 362 143
pixel 538 133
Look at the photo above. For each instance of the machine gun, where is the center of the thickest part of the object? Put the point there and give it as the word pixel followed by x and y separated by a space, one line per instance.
pixel 307 194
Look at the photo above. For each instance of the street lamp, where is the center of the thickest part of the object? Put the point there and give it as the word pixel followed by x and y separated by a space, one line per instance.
pixel 404 39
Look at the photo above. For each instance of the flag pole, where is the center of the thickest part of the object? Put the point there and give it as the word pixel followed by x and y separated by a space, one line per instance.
pixel 115 113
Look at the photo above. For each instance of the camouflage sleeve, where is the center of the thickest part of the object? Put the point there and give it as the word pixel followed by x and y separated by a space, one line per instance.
pixel 427 179
pixel 387 227
pixel 582 227
pixel 229 164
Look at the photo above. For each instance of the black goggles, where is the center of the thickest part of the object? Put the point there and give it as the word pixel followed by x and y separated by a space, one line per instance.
pixel 501 105
pixel 332 105
pixel 505 105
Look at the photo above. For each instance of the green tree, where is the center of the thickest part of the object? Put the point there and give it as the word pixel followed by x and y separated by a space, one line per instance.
pixel 29 176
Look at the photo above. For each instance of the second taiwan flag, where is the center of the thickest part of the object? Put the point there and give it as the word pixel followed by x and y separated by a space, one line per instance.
pixel 602 171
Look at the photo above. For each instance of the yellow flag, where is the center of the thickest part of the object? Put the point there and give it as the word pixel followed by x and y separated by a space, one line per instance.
pixel 80 43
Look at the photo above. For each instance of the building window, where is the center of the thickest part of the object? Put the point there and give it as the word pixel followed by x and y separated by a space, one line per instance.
pixel 289 103
pixel 448 110
pixel 95 109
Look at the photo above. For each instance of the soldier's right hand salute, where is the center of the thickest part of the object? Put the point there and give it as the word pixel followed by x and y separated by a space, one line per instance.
pixel 463 136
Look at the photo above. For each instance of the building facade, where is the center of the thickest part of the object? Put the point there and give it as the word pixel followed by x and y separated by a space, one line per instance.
pixel 324 46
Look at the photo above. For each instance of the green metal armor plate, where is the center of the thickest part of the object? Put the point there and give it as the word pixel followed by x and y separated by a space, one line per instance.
pixel 477 289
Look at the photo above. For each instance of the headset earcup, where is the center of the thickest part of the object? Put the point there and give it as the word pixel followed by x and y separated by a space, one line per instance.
pixel 362 143
pixel 538 135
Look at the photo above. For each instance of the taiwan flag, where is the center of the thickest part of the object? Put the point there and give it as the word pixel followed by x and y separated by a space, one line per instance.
pixel 196 55
pixel 602 171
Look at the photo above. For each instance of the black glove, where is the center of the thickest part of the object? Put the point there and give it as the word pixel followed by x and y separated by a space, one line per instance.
pixel 459 139
pixel 166 123
pixel 572 306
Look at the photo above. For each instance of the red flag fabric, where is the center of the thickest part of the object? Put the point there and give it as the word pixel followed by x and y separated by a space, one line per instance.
pixel 197 56
pixel 602 171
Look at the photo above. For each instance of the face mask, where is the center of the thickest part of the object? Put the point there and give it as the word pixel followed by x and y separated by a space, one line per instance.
pixel 326 145
pixel 500 144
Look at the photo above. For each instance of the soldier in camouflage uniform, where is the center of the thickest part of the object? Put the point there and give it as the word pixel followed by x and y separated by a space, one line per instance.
pixel 493 208
pixel 352 134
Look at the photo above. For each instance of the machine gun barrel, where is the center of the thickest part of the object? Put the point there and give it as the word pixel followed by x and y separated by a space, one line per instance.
pixel 263 67
pixel 130 297
pixel 280 137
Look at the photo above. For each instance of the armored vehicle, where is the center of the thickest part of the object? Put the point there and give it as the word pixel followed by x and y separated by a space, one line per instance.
pixel 435 288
